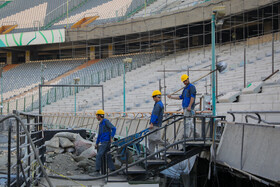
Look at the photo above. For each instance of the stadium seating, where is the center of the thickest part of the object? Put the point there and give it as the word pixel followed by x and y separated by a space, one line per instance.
pixel 147 79
pixel 28 75
pixel 105 10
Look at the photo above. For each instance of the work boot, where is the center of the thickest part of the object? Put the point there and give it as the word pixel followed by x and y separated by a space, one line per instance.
pixel 95 174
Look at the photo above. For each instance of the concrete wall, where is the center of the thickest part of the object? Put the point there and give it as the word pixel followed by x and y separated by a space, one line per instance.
pixel 165 20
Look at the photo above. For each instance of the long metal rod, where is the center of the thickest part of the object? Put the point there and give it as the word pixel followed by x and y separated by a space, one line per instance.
pixel 9 153
pixel 244 76
pixel 103 105
pixel 272 52
pixel 164 87
pixel 213 40
pixel 18 155
pixel 124 87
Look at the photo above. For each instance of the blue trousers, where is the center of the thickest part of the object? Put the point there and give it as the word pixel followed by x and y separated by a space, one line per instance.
pixel 103 149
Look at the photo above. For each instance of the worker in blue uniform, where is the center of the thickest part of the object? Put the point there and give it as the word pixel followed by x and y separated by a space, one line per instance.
pixel 105 137
pixel 188 103
pixel 156 122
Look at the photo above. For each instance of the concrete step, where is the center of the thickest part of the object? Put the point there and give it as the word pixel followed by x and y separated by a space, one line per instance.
pixel 260 97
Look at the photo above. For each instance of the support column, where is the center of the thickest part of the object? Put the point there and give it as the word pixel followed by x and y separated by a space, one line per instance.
pixel 27 56
pixel 110 50
pixel 92 53
pixel 9 58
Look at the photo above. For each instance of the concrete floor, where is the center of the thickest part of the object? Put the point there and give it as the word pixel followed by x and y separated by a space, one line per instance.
pixel 95 183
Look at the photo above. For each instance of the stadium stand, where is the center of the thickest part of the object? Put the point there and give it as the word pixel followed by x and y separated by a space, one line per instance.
pixel 138 95
pixel 166 6
pixel 27 76
pixel 108 9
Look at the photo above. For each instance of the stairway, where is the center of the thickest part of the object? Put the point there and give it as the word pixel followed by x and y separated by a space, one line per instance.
pixel 144 167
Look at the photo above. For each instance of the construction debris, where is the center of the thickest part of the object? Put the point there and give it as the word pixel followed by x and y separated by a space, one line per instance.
pixel 70 154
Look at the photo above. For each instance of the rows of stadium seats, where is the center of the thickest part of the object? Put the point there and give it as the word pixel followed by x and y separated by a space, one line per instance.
pixel 28 75
pixel 102 71
pixel 138 95
pixel 105 10
pixel 28 14
pixel 166 5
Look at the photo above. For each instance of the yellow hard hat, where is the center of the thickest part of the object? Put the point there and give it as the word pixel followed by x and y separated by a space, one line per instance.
pixel 101 112
pixel 184 77
pixel 156 92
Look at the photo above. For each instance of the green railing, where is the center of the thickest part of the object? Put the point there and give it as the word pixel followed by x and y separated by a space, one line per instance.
pixel 60 13
pixel 4 4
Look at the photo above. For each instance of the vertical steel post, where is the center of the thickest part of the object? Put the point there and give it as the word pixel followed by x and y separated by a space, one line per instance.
pixel 75 101
pixel 102 97
pixel 67 13
pixel 164 84
pixel 213 65
pixel 244 66
pixel 123 88
pixel 2 90
pixel 272 52
pixel 9 154
pixel 18 155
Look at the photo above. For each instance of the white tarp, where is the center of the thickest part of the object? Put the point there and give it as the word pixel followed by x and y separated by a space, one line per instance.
pixel 180 168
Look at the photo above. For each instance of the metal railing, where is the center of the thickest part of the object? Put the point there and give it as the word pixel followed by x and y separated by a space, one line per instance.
pixel 60 11
pixel 207 134
pixel 248 114
pixel 29 149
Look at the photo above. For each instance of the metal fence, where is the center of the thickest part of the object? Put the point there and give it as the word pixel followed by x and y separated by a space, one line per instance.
pixel 25 155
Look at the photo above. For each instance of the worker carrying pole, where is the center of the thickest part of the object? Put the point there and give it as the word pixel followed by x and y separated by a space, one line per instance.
pixel 188 103
pixel 105 136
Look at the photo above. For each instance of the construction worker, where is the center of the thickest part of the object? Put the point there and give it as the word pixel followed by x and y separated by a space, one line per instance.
pixel 105 136
pixel 155 122
pixel 188 102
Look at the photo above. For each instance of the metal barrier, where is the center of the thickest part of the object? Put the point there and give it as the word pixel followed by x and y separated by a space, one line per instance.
pixel 184 147
pixel 29 150
pixel 257 113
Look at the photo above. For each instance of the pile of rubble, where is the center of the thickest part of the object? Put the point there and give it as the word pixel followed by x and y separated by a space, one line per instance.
pixel 70 154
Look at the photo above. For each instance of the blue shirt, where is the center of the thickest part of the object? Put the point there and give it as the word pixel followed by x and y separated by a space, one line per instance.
pixel 106 131
pixel 188 92
pixel 157 114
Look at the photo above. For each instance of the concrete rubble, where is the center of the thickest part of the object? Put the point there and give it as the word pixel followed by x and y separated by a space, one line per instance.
pixel 70 154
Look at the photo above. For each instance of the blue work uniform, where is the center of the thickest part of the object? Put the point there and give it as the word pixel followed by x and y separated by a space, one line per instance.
pixel 105 133
pixel 188 92
pixel 157 114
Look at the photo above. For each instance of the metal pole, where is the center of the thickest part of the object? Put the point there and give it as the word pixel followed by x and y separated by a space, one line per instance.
pixel 164 88
pixel 9 153
pixel 273 52
pixel 1 90
pixel 124 87
pixel 102 97
pixel 67 12
pixel 40 99
pixel 18 154
pixel 41 72
pixel 213 66
pixel 244 66
pixel 75 101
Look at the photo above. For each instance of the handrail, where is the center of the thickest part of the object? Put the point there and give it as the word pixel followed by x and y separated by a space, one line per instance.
pixel 149 133
pixel 165 126
pixel 257 113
